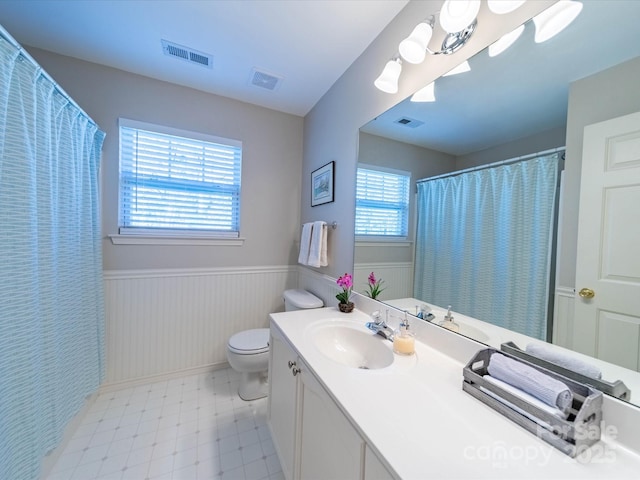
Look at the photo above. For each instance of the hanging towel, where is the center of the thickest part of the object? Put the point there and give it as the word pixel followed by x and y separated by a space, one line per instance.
pixel 318 248
pixel 565 360
pixel 305 243
pixel 551 391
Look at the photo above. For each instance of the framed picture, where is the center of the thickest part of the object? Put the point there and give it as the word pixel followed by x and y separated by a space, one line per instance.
pixel 322 185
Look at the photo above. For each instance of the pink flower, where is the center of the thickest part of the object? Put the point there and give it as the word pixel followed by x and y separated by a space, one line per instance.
pixel 346 281
pixel 372 279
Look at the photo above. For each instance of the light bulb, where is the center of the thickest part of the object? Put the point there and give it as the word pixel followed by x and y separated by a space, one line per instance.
pixel 504 6
pixel 425 94
pixel 555 19
pixel 456 15
pixel 388 79
pixel 504 42
pixel 414 48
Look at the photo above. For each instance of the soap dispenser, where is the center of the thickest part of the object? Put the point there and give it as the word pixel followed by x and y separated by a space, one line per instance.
pixel 448 321
pixel 404 339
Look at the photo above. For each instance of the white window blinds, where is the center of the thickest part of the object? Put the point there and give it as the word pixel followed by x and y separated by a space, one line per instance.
pixel 382 202
pixel 176 182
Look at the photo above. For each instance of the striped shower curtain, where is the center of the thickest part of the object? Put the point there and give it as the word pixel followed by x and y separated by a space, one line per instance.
pixel 484 243
pixel 51 298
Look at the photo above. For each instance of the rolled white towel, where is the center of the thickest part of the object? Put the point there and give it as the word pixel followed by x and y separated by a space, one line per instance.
pixel 564 360
pixel 551 391
pixel 555 411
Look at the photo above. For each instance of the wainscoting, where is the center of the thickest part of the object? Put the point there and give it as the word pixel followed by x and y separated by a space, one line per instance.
pixel 563 317
pixel 161 322
pixel 398 278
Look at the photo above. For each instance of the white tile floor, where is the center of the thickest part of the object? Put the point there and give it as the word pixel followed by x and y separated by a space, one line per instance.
pixel 189 428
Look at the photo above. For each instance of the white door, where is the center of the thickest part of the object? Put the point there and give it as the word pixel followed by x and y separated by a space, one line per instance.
pixel 607 325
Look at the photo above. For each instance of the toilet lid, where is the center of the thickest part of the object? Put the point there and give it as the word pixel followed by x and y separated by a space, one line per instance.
pixel 250 342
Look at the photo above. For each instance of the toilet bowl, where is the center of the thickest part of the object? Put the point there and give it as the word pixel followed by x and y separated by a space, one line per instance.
pixel 248 350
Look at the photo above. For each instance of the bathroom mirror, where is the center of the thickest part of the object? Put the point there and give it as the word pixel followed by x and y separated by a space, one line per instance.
pixel 510 105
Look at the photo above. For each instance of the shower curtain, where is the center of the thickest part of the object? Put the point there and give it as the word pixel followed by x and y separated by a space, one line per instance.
pixel 51 297
pixel 484 243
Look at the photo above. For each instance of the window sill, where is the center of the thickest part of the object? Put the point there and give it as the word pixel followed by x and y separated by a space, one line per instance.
pixel 173 240
pixel 378 242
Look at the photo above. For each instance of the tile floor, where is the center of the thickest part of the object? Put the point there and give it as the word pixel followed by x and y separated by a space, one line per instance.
pixel 189 428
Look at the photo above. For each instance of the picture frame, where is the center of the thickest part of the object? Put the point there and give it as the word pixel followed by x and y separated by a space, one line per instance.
pixel 322 180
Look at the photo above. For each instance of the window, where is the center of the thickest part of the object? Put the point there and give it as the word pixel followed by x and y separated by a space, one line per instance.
pixel 382 202
pixel 178 183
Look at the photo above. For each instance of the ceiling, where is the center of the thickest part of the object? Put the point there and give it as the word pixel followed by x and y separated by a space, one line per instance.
pixel 523 91
pixel 308 43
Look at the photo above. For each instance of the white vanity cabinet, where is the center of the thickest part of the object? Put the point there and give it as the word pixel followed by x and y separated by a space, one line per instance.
pixel 283 401
pixel 313 438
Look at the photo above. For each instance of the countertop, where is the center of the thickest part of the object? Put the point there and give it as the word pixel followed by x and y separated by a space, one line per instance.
pixel 416 417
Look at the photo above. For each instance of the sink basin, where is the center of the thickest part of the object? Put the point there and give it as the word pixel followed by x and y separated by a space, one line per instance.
pixel 352 347
pixel 473 332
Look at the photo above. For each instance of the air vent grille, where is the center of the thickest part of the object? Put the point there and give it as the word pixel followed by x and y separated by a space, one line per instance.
pixel 409 122
pixel 265 80
pixel 187 54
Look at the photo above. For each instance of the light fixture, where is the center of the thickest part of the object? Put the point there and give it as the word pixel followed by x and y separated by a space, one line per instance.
pixel 555 19
pixel 501 7
pixel 504 42
pixel 414 48
pixel 388 79
pixel 456 15
pixel 462 68
pixel 425 94
pixel 458 19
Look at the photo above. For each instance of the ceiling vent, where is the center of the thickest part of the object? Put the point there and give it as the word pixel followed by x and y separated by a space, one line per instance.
pixel 187 54
pixel 262 79
pixel 409 122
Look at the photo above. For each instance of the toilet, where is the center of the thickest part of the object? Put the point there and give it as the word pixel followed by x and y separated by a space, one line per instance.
pixel 248 351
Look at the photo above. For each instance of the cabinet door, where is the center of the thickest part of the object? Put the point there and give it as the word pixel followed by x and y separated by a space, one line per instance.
pixel 329 447
pixel 283 402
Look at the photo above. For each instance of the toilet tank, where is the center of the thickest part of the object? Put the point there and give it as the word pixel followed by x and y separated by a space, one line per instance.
pixel 298 299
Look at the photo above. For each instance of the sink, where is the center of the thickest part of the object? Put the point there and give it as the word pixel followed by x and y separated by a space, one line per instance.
pixel 352 346
pixel 473 332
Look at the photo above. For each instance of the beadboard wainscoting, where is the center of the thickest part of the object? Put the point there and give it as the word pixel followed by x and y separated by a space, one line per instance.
pixel 563 317
pixel 397 277
pixel 161 322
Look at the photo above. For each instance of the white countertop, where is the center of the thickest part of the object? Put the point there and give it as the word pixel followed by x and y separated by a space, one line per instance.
pixel 416 417
pixel 494 336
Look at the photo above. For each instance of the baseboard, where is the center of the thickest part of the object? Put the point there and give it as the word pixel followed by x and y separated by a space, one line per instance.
pixel 110 387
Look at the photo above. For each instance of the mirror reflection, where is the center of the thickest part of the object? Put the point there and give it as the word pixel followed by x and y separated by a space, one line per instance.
pixel 509 107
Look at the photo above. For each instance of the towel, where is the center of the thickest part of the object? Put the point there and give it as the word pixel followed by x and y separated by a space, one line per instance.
pixel 318 246
pixel 305 243
pixel 530 399
pixel 553 355
pixel 551 391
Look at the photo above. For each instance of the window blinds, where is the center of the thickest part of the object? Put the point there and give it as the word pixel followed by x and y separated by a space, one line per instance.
pixel 382 202
pixel 177 184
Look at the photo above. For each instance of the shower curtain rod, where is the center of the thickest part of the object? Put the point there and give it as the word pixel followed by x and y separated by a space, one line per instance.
pixel 494 164
pixel 7 36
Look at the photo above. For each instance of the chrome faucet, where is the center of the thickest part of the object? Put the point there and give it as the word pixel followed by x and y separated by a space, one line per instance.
pixel 379 326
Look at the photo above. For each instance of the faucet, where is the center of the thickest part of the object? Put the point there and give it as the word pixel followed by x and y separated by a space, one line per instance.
pixel 379 326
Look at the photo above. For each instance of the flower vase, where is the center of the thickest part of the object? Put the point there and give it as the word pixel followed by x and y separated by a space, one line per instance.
pixel 346 307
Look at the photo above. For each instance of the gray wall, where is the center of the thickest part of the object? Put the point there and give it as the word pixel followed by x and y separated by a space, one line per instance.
pixel 605 95
pixel 421 162
pixel 524 146
pixel 331 128
pixel 271 163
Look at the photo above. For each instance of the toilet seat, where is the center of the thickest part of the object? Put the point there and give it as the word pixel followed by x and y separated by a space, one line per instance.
pixel 250 342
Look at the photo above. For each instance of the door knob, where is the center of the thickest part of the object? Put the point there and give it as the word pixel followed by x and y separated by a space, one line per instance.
pixel 587 293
